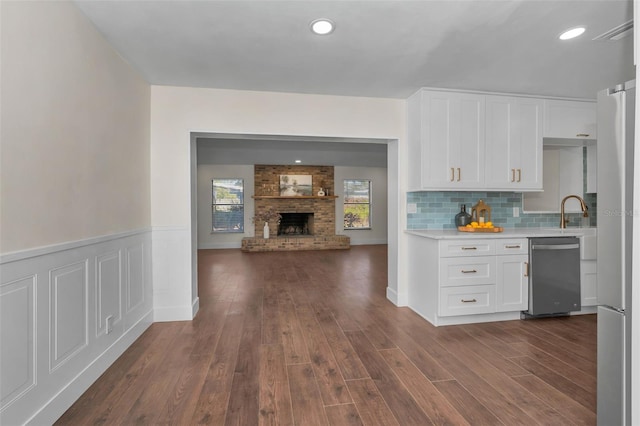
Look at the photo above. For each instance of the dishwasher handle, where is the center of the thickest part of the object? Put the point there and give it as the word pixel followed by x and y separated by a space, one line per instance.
pixel 554 246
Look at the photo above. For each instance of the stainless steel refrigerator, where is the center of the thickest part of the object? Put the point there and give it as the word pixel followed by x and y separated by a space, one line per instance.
pixel 615 207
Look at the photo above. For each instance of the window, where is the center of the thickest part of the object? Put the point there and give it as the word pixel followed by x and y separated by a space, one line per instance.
pixel 227 207
pixel 357 204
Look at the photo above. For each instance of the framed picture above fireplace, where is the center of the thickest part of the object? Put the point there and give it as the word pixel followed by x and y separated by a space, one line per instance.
pixel 296 185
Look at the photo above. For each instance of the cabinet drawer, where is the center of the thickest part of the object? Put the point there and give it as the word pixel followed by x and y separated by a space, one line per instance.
pixel 457 271
pixel 451 248
pixel 512 246
pixel 480 299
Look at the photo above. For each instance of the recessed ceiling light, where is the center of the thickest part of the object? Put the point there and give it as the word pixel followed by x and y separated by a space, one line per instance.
pixel 298 161
pixel 571 33
pixel 322 26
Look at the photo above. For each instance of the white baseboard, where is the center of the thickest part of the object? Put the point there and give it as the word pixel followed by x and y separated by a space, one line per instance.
pixel 220 246
pixel 173 313
pixel 195 307
pixel 366 242
pixel 392 295
pixel 61 402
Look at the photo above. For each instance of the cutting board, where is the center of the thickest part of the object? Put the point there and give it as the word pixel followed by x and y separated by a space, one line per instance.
pixel 491 230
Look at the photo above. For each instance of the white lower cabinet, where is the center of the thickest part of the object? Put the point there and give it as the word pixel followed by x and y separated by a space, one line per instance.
pixel 461 281
pixel 588 283
pixel 512 283
pixel 512 280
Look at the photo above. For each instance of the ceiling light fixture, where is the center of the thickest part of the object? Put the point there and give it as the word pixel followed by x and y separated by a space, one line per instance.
pixel 322 26
pixel 298 161
pixel 571 33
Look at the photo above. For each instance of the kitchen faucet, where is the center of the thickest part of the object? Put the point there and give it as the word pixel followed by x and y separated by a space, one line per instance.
pixel 583 206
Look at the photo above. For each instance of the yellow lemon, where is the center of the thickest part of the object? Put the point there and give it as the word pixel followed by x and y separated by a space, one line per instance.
pixel 474 224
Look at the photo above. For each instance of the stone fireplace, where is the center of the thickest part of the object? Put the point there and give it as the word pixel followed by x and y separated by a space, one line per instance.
pixel 307 223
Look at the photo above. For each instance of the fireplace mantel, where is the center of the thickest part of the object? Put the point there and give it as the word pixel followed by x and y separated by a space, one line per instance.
pixel 302 197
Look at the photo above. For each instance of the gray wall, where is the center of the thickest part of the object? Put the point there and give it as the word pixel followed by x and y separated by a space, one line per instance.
pixel 378 176
pixel 206 172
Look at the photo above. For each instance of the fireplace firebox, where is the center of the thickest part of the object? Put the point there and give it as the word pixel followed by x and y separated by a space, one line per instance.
pixel 296 224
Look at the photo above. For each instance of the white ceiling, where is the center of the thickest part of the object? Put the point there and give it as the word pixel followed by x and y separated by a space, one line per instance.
pixel 379 48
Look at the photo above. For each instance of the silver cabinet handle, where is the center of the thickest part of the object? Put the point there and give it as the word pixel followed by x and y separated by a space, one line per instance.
pixel 469 248
pixel 582 135
pixel 471 271
pixel 468 300
pixel 517 247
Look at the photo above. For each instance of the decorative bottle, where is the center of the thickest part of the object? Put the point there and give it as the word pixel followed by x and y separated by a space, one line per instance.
pixel 266 230
pixel 463 218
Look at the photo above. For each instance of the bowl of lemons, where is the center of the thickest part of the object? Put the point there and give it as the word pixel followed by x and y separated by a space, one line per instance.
pixel 480 227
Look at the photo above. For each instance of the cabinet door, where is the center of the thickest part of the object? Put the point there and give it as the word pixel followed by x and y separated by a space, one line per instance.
pixel 569 119
pixel 452 153
pixel 529 137
pixel 513 143
pixel 589 282
pixel 512 283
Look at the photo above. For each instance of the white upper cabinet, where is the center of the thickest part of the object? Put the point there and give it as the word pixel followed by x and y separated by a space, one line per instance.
pixel 446 140
pixel 513 143
pixel 569 119
pixel 470 141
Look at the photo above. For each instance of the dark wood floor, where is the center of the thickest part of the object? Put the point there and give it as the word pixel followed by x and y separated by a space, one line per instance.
pixel 308 338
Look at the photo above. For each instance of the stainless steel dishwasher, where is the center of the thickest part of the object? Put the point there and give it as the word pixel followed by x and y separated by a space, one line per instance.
pixel 554 276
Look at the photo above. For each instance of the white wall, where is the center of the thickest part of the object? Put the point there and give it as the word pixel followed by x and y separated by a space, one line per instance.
pixel 378 176
pixel 75 240
pixel 178 111
pixel 75 130
pixel 206 172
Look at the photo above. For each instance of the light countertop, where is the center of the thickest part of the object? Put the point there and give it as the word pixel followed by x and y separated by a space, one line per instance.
pixel 454 234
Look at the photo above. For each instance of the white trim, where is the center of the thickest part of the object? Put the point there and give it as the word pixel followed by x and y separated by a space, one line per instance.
pixel 62 400
pixel 403 299
pixel 519 95
pixel 214 246
pixel 54 248
pixel 392 295
pixel 174 313
pixel 367 242
pixel 195 307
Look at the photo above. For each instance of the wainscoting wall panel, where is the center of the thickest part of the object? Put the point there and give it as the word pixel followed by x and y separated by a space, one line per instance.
pixel 109 290
pixel 54 305
pixel 68 323
pixel 135 275
pixel 17 325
